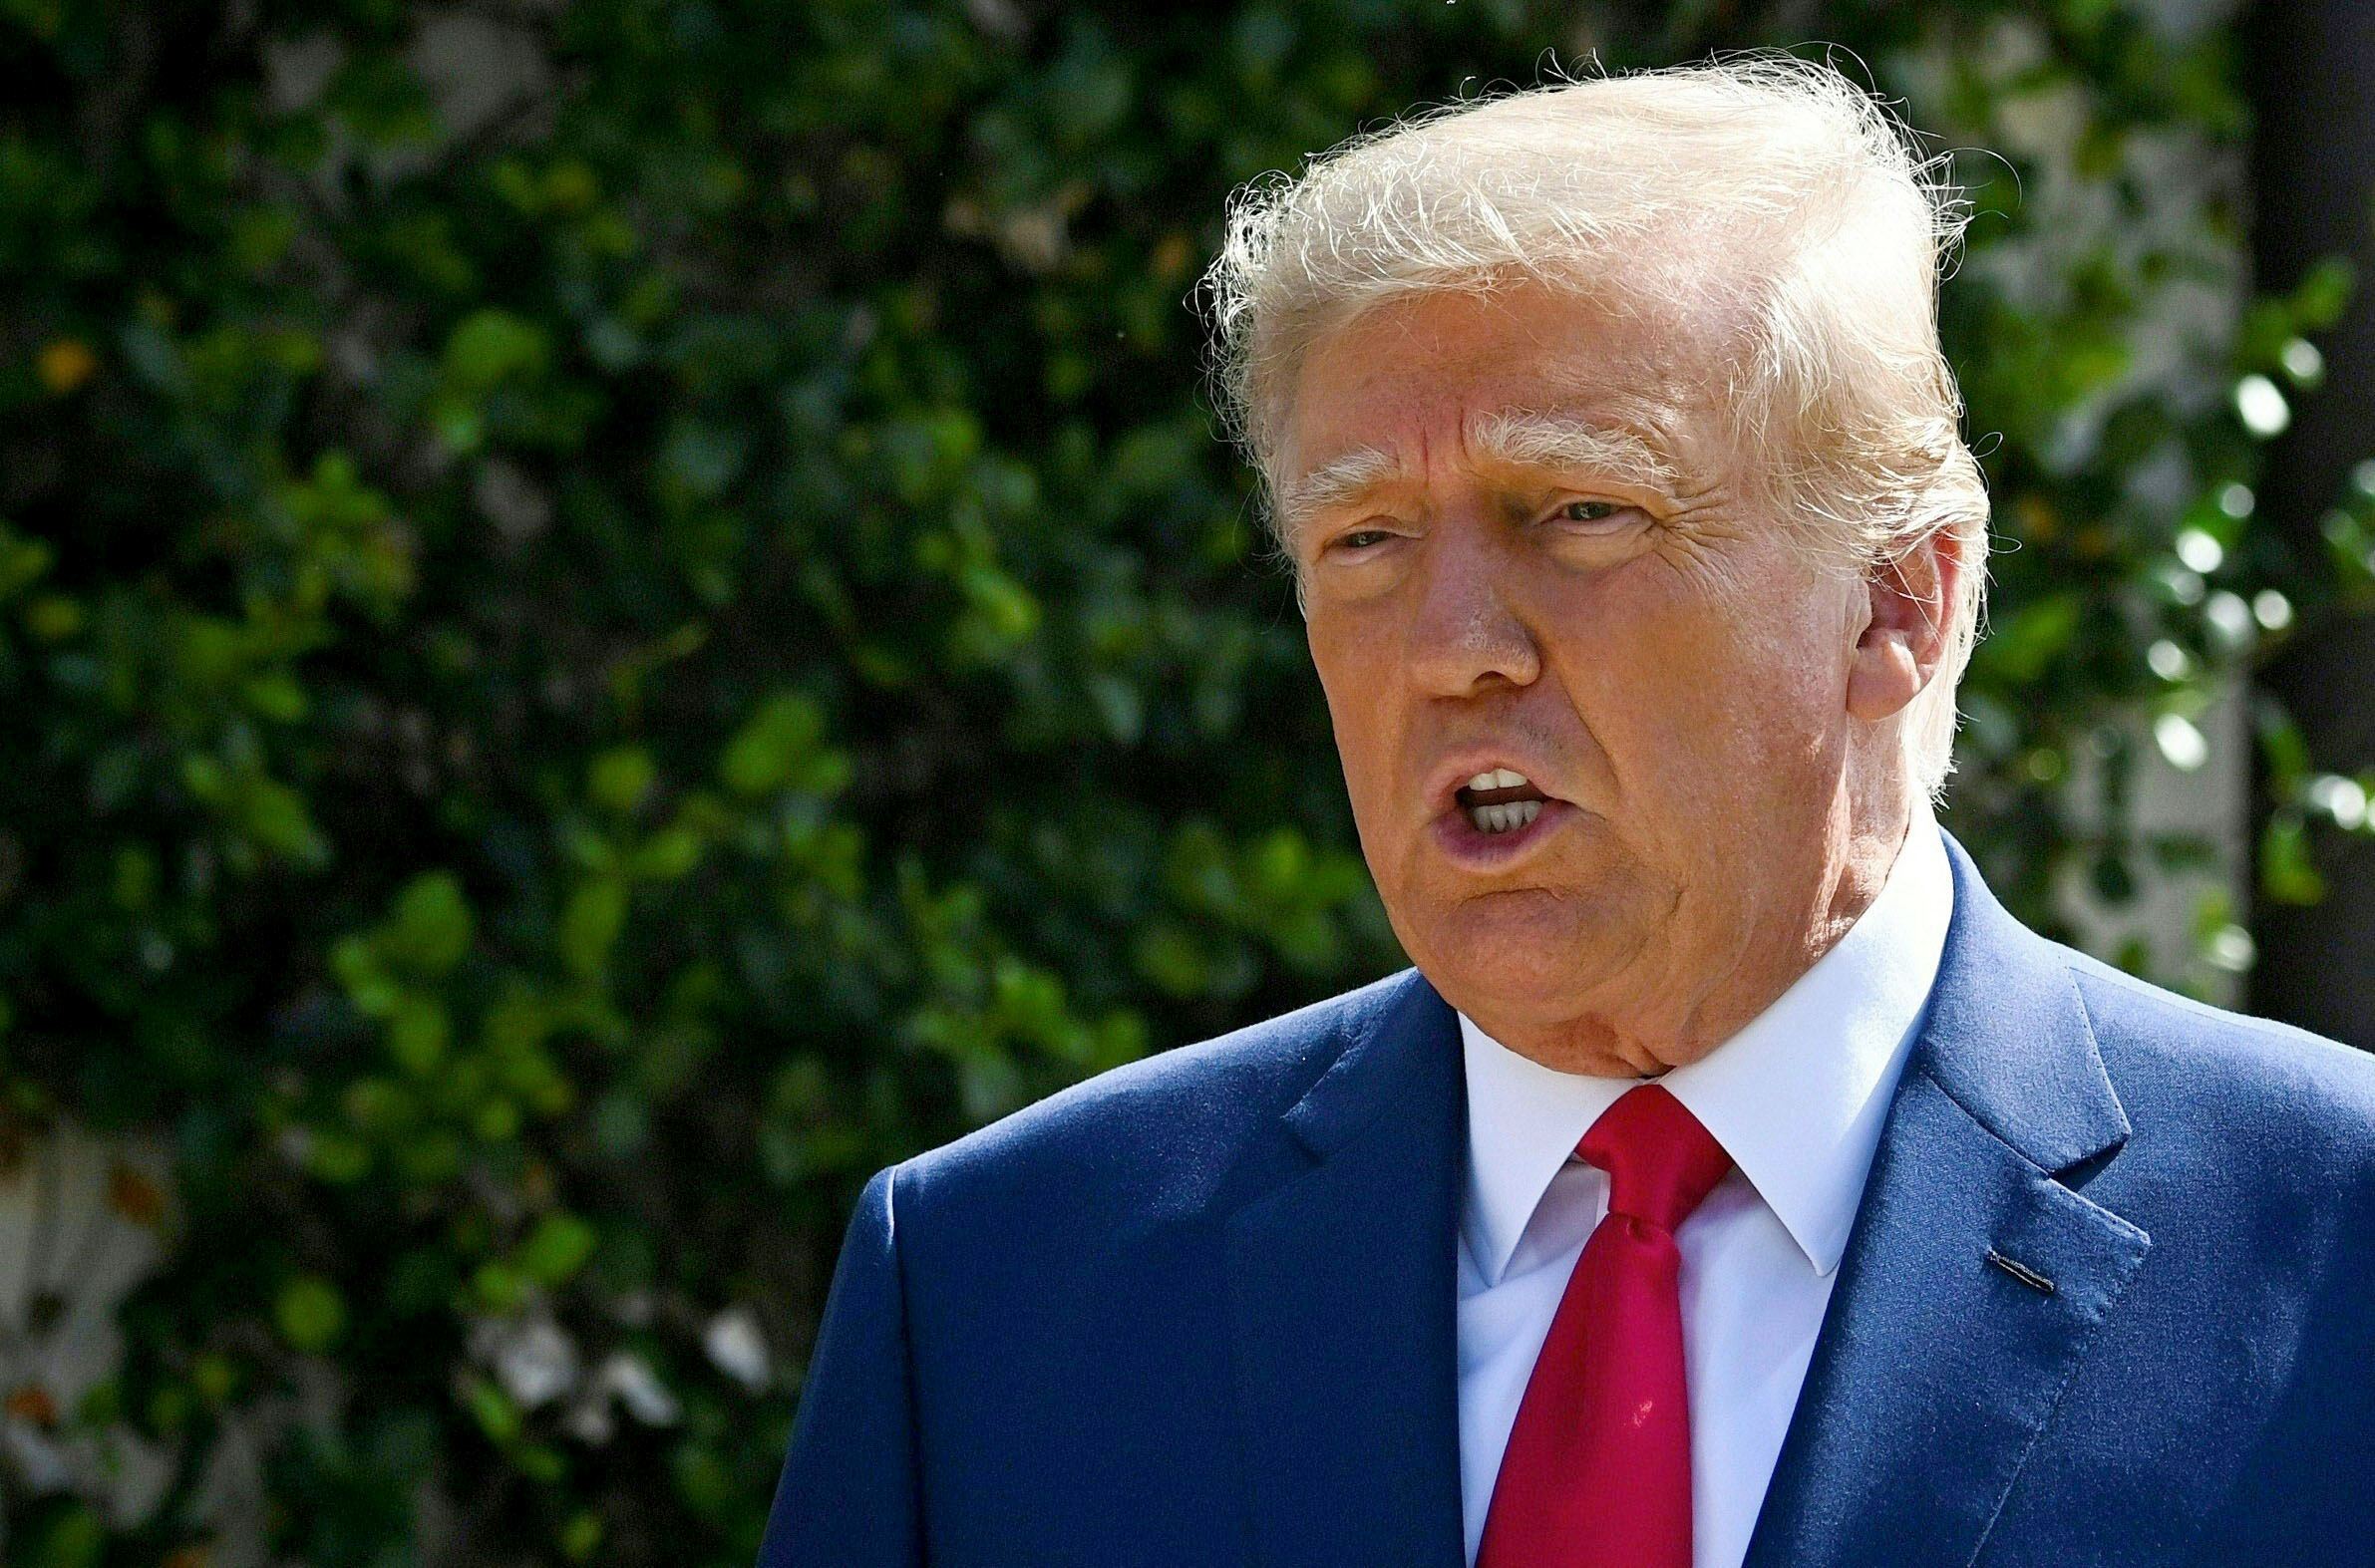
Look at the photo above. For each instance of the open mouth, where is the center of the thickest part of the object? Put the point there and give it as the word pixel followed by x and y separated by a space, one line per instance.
pixel 1500 800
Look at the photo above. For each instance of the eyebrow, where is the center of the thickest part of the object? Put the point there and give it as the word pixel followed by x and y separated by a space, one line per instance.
pixel 1513 437
pixel 1520 438
pixel 1336 483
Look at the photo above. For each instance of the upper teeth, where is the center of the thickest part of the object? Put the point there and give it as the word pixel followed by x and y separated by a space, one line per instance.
pixel 1497 779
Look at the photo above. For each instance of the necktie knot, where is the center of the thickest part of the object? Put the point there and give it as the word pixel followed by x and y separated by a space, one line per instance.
pixel 1661 1163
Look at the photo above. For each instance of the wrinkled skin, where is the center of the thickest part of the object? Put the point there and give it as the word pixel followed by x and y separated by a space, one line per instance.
pixel 1712 709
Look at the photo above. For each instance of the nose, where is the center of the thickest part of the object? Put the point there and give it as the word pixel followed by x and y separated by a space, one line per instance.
pixel 1467 635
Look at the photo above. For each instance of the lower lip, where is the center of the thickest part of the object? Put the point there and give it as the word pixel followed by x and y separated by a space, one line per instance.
pixel 1471 847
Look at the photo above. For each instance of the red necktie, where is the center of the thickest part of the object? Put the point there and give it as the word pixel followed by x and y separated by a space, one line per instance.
pixel 1597 1473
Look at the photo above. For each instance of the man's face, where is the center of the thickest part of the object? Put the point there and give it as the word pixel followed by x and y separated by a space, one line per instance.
pixel 1531 548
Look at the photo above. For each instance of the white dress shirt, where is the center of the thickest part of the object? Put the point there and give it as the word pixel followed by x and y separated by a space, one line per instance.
pixel 1797 1099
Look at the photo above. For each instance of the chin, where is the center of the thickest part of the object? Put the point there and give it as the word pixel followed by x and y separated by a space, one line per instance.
pixel 1529 952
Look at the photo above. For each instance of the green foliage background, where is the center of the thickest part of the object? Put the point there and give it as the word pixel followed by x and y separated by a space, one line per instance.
pixel 616 613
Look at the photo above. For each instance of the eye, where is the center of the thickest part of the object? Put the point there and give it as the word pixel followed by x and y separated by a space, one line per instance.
pixel 1362 538
pixel 1587 511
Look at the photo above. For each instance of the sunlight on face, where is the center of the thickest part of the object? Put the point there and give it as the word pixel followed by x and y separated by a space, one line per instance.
pixel 1590 702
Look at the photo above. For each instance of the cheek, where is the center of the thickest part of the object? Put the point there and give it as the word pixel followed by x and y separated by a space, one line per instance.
pixel 1360 703
pixel 1693 675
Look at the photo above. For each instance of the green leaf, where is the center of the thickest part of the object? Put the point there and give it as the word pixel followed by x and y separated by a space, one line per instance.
pixel 779 747
pixel 417 1035
pixel 580 1535
pixel 590 926
pixel 620 778
pixel 2325 293
pixel 72 1537
pixel 310 1313
pixel 430 925
pixel 337 1158
pixel 492 1408
pixel 275 815
pixel 490 346
pixel 2288 872
pixel 500 1288
pixel 22 563
pixel 556 1249
pixel 277 696
pixel 669 855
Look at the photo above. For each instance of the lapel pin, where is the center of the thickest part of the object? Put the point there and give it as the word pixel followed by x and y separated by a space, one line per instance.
pixel 2021 1272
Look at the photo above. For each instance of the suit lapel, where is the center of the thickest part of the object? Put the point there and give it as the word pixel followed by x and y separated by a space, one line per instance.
pixel 1342 1301
pixel 1938 1363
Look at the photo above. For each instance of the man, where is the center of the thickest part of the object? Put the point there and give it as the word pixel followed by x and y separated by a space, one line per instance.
pixel 1732 1180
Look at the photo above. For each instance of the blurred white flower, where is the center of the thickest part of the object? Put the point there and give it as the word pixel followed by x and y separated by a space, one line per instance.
pixel 735 1345
pixel 2180 742
pixel 2303 362
pixel 537 1363
pixel 639 1388
pixel 2231 948
pixel 2230 618
pixel 588 1419
pixel 2344 800
pixel 2262 408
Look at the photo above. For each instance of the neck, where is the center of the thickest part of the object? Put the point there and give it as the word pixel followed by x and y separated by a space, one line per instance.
pixel 1854 865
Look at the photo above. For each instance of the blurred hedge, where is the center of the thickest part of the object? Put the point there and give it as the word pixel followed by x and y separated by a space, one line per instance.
pixel 617 613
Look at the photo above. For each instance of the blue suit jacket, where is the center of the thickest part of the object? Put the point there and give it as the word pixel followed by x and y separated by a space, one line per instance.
pixel 1200 1311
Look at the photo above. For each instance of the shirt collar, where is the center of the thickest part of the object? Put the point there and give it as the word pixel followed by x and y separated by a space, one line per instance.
pixel 1796 1098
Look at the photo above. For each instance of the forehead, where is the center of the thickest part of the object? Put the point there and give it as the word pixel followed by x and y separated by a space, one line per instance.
pixel 1408 377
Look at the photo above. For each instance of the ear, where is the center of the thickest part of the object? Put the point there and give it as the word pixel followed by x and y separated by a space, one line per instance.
pixel 1902 642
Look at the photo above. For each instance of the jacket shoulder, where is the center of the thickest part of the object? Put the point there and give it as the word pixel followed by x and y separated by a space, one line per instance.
pixel 2289 1092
